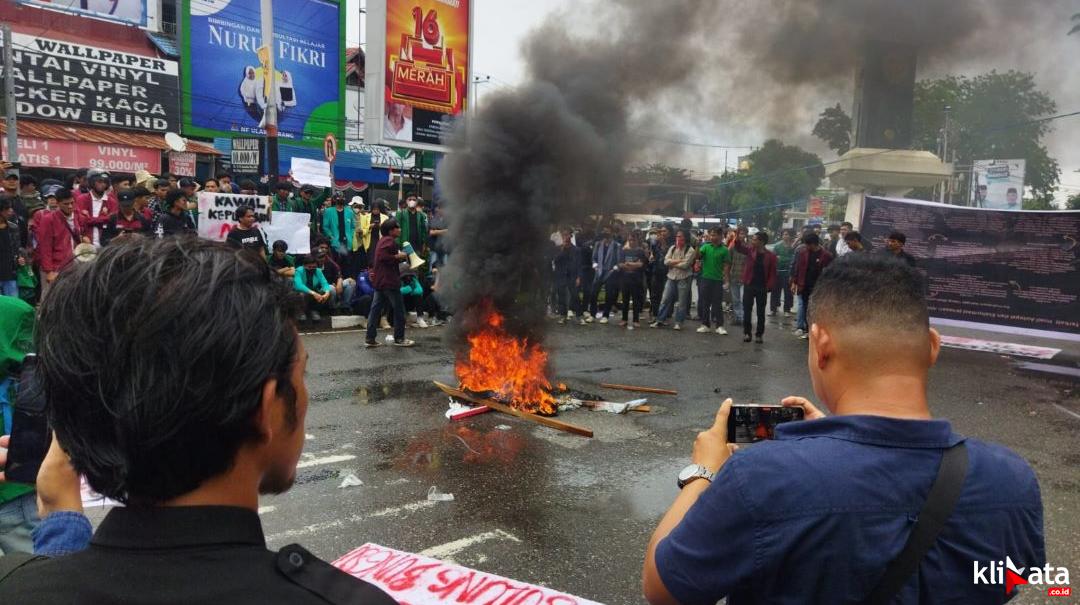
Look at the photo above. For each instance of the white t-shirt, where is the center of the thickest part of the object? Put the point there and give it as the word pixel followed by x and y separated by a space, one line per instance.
pixel 405 134
pixel 95 210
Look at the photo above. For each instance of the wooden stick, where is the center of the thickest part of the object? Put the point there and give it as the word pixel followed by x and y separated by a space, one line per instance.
pixel 640 408
pixel 505 409
pixel 625 387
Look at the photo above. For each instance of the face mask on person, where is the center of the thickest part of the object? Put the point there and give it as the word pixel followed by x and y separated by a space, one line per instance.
pixel 411 203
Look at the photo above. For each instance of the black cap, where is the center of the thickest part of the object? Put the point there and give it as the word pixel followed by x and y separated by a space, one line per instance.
pixel 11 174
pixel 286 185
pixel 308 189
pixel 126 196
pixel 185 182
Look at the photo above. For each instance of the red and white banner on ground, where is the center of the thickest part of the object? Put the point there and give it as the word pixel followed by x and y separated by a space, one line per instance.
pixel 419 580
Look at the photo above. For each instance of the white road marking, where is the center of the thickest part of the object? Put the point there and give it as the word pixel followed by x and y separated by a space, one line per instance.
pixel 1067 411
pixel 266 509
pixel 325 460
pixel 318 527
pixel 445 552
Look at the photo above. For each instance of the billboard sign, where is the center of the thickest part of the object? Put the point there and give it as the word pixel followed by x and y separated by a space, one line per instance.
pixel 1005 271
pixel 226 84
pixel 420 51
pixel 63 81
pixel 130 12
pixel 52 153
pixel 997 184
pixel 246 155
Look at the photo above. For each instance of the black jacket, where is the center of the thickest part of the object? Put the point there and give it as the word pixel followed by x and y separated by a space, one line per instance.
pixel 192 555
pixel 566 263
pixel 176 225
pixel 16 245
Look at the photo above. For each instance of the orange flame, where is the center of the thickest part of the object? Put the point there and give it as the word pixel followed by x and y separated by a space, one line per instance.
pixel 512 368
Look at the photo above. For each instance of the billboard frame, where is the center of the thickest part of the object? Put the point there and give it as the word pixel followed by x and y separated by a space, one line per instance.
pixel 374 97
pixel 184 24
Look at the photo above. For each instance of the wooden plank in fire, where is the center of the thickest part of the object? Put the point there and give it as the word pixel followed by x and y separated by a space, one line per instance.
pixel 505 409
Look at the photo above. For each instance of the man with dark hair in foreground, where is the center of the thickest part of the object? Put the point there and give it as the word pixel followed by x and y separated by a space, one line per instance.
pixel 174 377
pixel 818 514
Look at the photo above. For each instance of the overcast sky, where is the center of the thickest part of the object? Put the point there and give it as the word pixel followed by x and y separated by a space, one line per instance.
pixel 500 25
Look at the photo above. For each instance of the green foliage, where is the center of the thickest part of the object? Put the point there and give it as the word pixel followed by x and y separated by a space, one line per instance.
pixel 659 174
pixel 834 127
pixel 1039 203
pixel 1073 202
pixel 993 117
pixel 781 176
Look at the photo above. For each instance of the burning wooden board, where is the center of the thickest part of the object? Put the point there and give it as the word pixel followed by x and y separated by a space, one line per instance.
pixel 505 409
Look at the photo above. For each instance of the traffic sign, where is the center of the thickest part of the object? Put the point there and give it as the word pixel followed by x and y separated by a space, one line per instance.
pixel 330 147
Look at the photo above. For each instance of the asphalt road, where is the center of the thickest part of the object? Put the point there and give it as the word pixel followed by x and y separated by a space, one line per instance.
pixel 572 513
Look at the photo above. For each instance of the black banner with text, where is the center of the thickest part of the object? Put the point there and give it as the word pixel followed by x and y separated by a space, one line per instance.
pixel 1019 269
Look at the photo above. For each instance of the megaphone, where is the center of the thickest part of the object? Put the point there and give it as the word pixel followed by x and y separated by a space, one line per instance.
pixel 414 259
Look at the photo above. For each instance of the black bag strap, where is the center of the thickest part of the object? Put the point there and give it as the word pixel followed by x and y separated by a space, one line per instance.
pixel 935 512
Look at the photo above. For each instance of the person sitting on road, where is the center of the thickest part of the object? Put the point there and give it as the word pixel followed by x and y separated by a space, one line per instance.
pixel 818 514
pixel 317 292
pixel 280 261
pixel 184 399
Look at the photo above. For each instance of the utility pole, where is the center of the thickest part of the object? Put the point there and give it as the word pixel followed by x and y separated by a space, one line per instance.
pixel 271 118
pixel 10 108
pixel 945 151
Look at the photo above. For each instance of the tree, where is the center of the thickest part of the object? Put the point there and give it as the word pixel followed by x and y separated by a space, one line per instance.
pixel 780 176
pixel 1038 203
pixel 834 127
pixel 993 116
pixel 660 174
pixel 1074 202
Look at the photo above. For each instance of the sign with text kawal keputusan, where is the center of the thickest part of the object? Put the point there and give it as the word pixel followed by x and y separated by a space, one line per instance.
pixel 67 82
pixel 420 61
pixel 227 83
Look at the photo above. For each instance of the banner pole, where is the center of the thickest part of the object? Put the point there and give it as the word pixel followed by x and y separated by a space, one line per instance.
pixel 267 15
pixel 10 108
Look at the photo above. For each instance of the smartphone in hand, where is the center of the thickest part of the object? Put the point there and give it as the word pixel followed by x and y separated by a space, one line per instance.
pixel 30 435
pixel 753 422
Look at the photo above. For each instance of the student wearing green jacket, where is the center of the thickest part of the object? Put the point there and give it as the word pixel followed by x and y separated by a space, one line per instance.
pixel 785 252
pixel 715 270
pixel 311 283
pixel 414 225
pixel 18 503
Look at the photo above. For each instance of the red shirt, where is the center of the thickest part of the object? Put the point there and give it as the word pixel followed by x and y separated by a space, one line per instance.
pixel 386 275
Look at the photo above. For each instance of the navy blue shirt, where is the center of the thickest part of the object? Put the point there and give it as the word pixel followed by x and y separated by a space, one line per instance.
pixel 816 515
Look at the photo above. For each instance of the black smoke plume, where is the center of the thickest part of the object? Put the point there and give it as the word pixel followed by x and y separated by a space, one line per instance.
pixel 554 149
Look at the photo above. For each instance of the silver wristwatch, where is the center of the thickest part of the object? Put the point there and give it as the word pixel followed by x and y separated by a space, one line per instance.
pixel 694 471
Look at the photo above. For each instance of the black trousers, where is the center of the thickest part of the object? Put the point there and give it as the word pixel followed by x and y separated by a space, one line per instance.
pixel 711 302
pixel 566 296
pixel 782 289
pixel 387 298
pixel 752 295
pixel 656 291
pixel 611 293
pixel 633 290
pixel 584 291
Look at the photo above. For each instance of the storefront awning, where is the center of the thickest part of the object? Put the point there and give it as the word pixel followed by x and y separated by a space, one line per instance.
pixel 89 134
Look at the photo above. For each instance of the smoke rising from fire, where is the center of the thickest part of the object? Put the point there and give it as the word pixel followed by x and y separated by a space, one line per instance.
pixel 605 76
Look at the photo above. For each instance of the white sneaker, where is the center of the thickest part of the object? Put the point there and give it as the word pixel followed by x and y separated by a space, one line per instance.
pixel 599 315
pixel 420 323
pixel 570 315
pixel 562 321
pixel 721 331
pixel 804 336
pixel 703 330
pixel 435 321
pixel 676 327
pixel 583 322
pixel 588 319
pixel 654 324
pixel 603 320
pixel 630 327
pixel 799 333
pixel 785 313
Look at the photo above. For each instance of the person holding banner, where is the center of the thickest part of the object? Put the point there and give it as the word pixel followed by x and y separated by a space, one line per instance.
pixel 244 235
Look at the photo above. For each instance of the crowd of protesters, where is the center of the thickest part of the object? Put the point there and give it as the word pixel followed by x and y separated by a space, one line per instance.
pixel 727 269
pixel 49 224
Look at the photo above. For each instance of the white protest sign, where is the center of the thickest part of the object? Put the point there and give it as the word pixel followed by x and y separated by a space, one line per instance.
pixel 291 227
pixel 311 172
pixel 420 580
pixel 217 212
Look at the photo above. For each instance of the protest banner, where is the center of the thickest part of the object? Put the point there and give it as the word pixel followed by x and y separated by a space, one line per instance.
pixel 217 212
pixel 419 580
pixel 311 172
pixel 293 227
pixel 1012 271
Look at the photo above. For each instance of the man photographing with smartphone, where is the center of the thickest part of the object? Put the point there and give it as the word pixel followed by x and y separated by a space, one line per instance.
pixel 877 503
